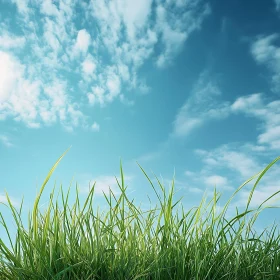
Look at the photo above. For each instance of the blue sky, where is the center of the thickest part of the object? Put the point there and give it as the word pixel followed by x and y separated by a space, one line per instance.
pixel 176 85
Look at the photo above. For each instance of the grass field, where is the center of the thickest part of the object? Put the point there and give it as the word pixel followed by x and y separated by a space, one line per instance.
pixel 76 243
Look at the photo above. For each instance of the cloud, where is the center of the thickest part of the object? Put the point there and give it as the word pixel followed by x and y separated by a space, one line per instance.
pixel 200 107
pixel 152 156
pixel 51 36
pixel 104 183
pixel 253 105
pixel 243 162
pixel 113 84
pixel 247 102
pixel 223 157
pixel 48 8
pixel 130 31
pixel 126 101
pixel 96 96
pixel 259 196
pixel 82 41
pixel 89 65
pixel 6 141
pixel 135 15
pixel 22 6
pixel 203 106
pixel 173 31
pixel 14 202
pixel 216 180
pixel 277 3
pixel 95 126
pixel 265 52
pixel 28 101
pixel 10 72
pixel 272 135
pixel 100 57
pixel 195 190
pixel 8 41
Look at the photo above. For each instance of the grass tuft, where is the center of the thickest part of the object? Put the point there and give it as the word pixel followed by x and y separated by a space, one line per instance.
pixel 75 243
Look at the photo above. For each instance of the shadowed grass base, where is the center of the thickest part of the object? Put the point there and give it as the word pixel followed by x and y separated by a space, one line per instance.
pixel 77 244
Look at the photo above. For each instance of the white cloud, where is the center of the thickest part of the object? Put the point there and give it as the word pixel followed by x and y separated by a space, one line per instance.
pixel 200 107
pixel 252 101
pixel 95 126
pixel 8 41
pixel 48 8
pixel 270 136
pixel 226 158
pixel 176 30
pixel 22 98
pixel 124 71
pixel 104 183
pixel 147 157
pixel 270 114
pixel 10 72
pixel 51 35
pixel 259 196
pixel 185 125
pixel 218 181
pixel 96 96
pixel 173 38
pixel 22 6
pixel 133 45
pixel 6 141
pixel 89 65
pixel 266 53
pixel 195 190
pixel 14 202
pixel 113 85
pixel 245 164
pixel 277 3
pixel 115 39
pixel 126 101
pixel 82 41
pixel 135 15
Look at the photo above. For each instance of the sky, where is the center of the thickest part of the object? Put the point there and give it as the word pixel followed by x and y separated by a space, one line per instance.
pixel 185 88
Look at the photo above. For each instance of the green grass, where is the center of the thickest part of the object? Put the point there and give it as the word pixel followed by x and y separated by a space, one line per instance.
pixel 121 244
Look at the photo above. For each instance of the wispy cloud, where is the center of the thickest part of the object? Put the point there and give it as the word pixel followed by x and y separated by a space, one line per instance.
pixel 269 114
pixel 55 57
pixel 172 30
pixel 95 126
pixel 9 41
pixel 89 66
pixel 201 106
pixel 104 183
pixel 82 42
pixel 224 157
pixel 277 3
pixel 242 162
pixel 22 97
pixel 238 158
pixel 14 202
pixel 266 52
pixel 6 141
pixel 22 6
pixel 130 31
pixel 245 164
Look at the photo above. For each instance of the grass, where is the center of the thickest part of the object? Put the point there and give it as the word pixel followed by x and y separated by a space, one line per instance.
pixel 121 244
